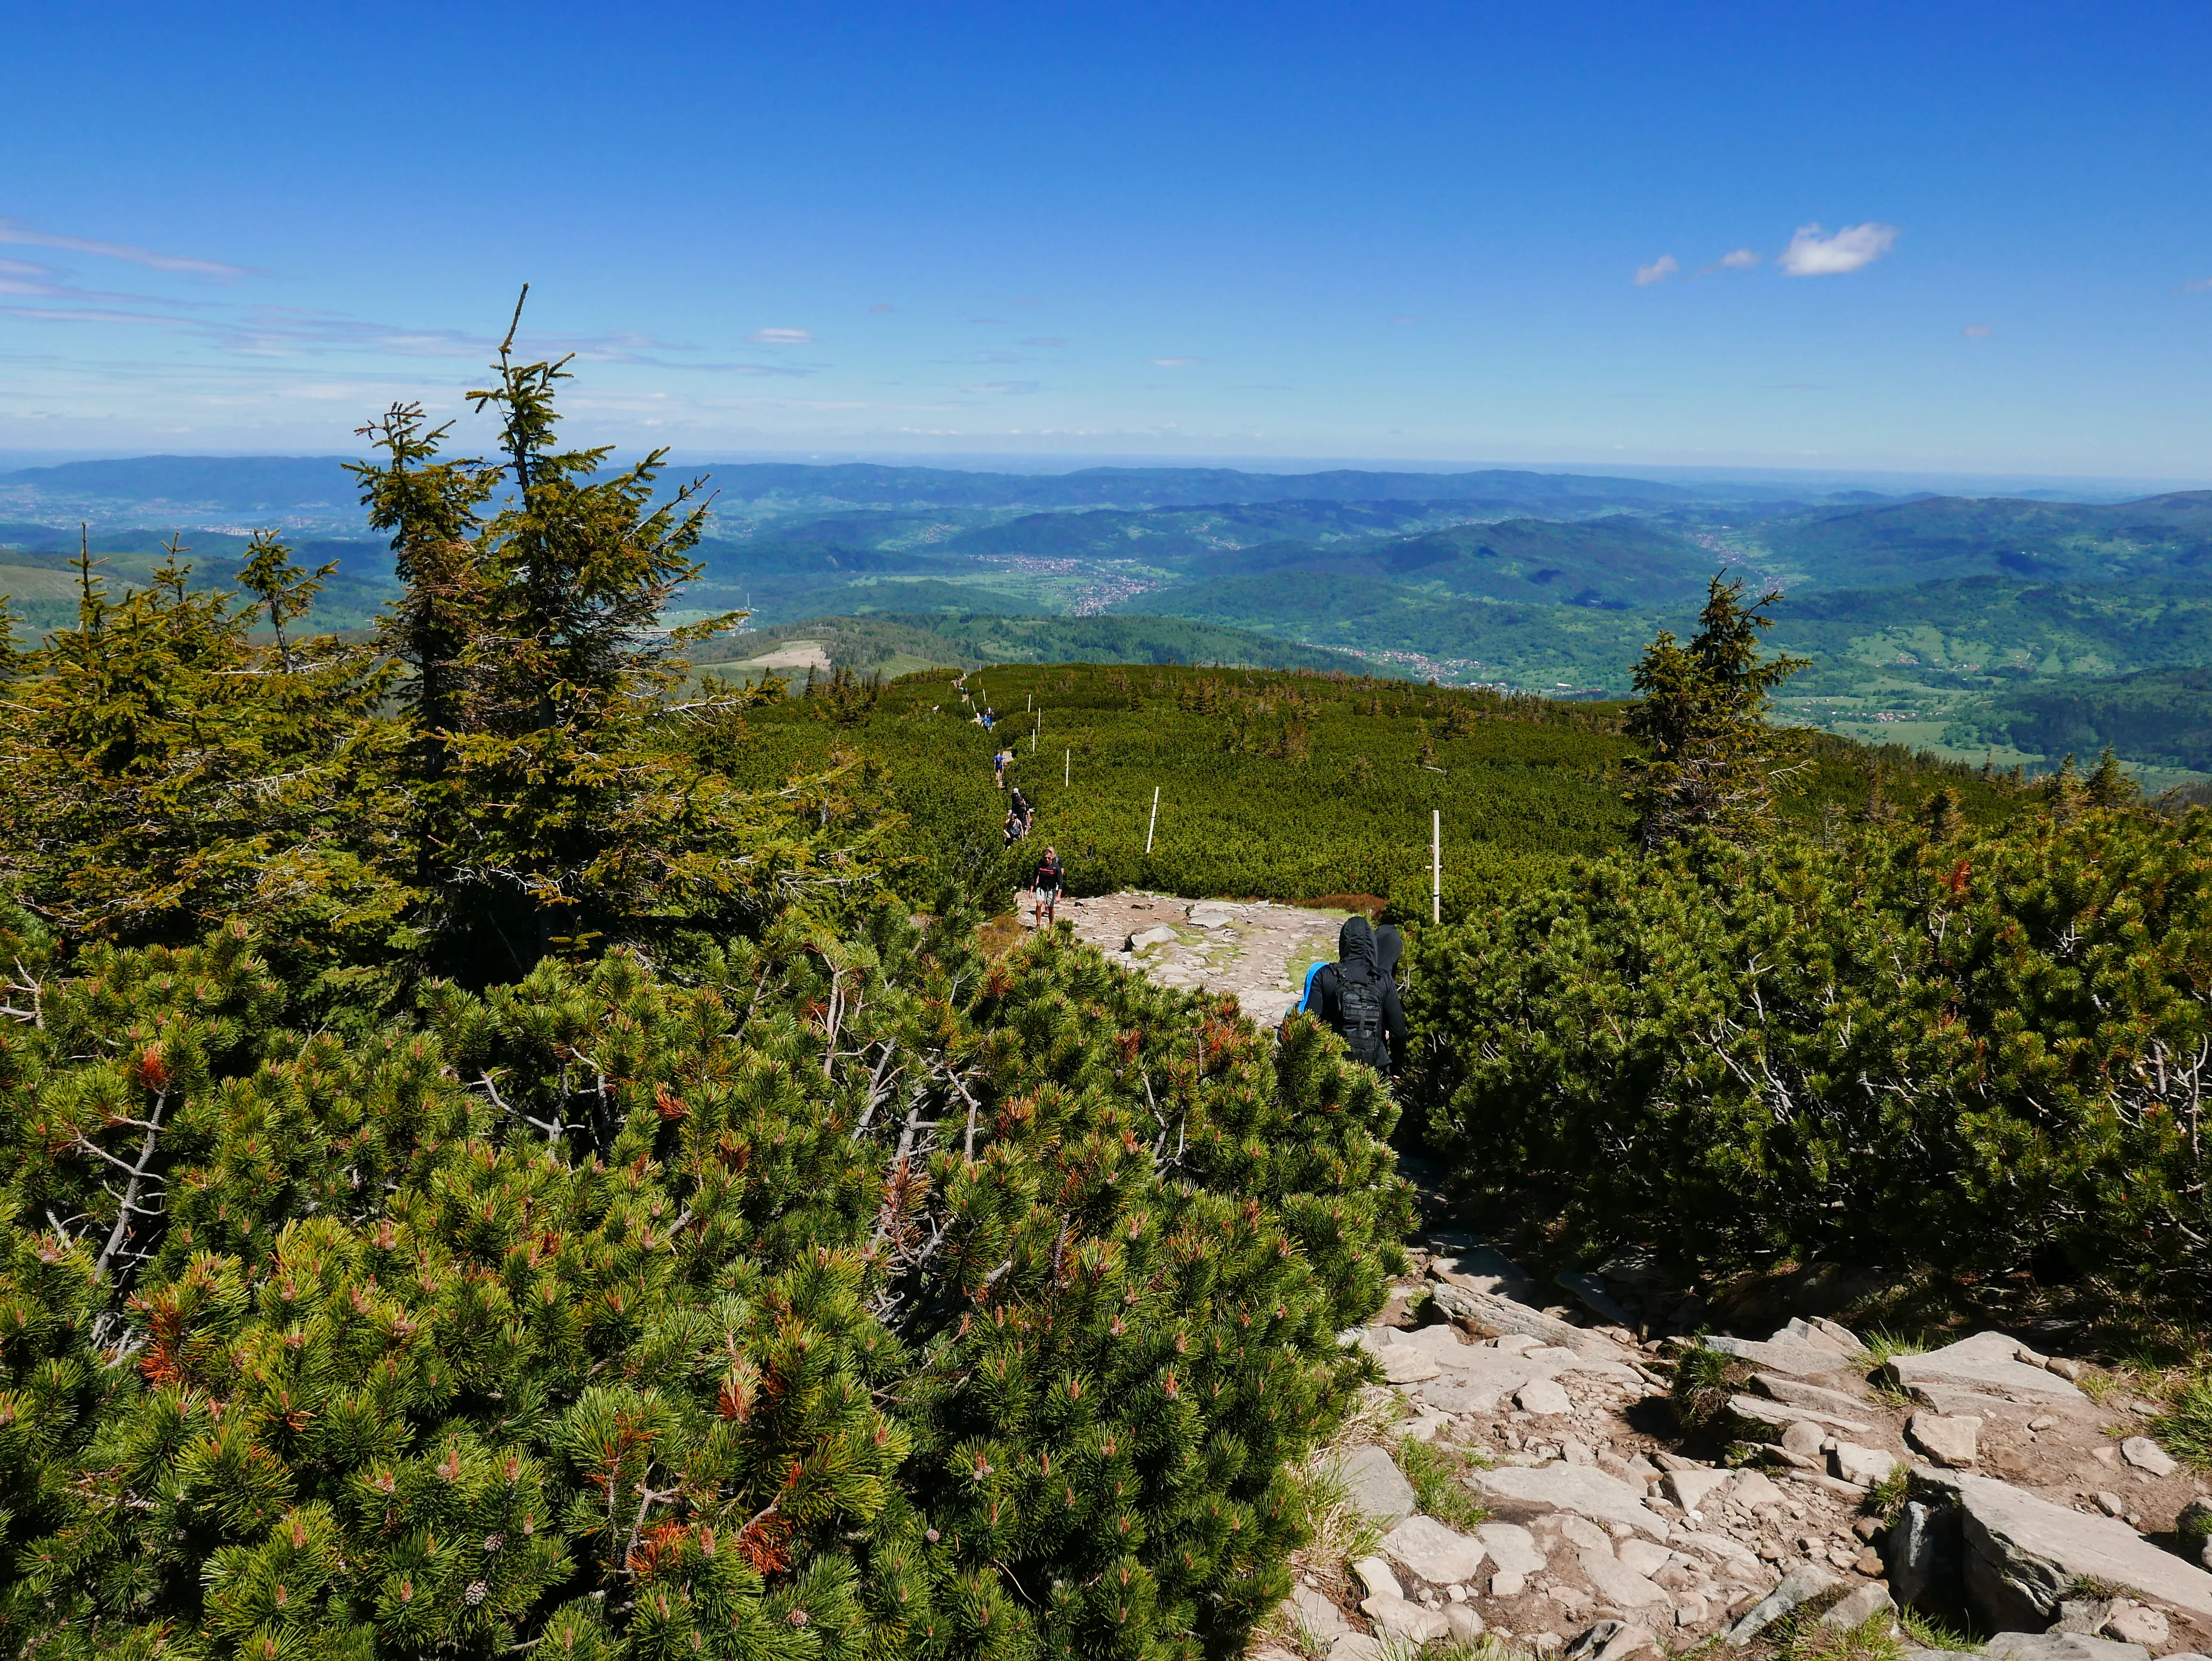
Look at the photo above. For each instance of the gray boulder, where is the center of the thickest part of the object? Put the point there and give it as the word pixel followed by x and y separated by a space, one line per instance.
pixel 1797 1359
pixel 1798 1586
pixel 1579 1489
pixel 1373 1484
pixel 2060 1647
pixel 1987 1363
pixel 2023 1555
pixel 1429 1551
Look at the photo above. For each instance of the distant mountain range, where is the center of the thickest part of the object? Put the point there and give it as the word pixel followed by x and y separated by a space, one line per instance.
pixel 1940 620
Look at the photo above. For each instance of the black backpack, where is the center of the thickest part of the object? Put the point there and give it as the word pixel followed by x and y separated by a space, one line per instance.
pixel 1359 1016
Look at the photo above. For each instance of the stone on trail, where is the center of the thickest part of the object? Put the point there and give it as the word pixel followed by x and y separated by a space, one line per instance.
pixel 1803 1437
pixel 1797 1586
pixel 1511 1547
pixel 1429 1551
pixel 1485 1312
pixel 1754 1490
pixel 1357 1646
pixel 1158 935
pixel 2060 1647
pixel 1988 1362
pixel 1405 1364
pixel 1403 1619
pixel 1862 1467
pixel 1575 1488
pixel 1781 1415
pixel 1376 1485
pixel 1482 1269
pixel 1376 1579
pixel 1311 1612
pixel 1454 1393
pixel 1545 1397
pixel 2144 1454
pixel 1465 1625
pixel 2132 1623
pixel 1791 1356
pixel 1644 1556
pixel 1690 1489
pixel 1948 1441
pixel 1858 1606
pixel 2025 1554
pixel 1797 1394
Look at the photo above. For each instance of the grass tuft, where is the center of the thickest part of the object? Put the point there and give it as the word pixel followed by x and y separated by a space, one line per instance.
pixel 1704 1381
pixel 1886 1498
pixel 1929 1633
pixel 1810 1638
pixel 2185 1429
pixel 1437 1472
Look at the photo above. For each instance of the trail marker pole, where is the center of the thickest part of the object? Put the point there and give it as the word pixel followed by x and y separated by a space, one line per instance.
pixel 1036 729
pixel 1156 819
pixel 1436 865
pixel 1067 768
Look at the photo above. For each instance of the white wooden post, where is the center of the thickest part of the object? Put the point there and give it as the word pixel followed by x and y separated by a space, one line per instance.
pixel 1436 865
pixel 1156 819
pixel 1067 768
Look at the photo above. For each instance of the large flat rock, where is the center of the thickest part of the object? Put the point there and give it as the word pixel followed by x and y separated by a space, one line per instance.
pixel 1790 1355
pixel 1374 1484
pixel 2060 1647
pixel 1428 1550
pixel 2023 1555
pixel 1987 1363
pixel 1575 1488
pixel 1490 1313
pixel 1617 1583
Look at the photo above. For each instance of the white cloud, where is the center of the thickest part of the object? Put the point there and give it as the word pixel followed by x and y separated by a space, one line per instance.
pixel 1978 331
pixel 780 338
pixel 2197 286
pixel 23 236
pixel 1741 260
pixel 1174 363
pixel 1657 271
pixel 1811 254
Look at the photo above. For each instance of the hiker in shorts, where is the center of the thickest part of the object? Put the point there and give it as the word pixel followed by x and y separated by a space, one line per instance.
pixel 999 762
pixel 1020 815
pixel 1357 998
pixel 1045 884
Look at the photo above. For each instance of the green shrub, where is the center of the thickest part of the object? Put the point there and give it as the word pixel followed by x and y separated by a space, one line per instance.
pixel 2185 1429
pixel 861 1299
pixel 1877 1051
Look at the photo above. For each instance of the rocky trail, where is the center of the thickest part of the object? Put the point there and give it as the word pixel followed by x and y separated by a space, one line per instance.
pixel 2018 1495
pixel 1987 1486
pixel 1257 949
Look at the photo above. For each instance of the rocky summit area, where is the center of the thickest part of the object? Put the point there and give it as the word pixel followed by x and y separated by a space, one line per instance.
pixel 1982 1485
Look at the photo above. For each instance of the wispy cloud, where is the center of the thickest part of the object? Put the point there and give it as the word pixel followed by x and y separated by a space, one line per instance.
pixel 2197 286
pixel 1740 259
pixel 1978 331
pixel 1174 363
pixel 881 305
pixel 1810 253
pixel 782 337
pixel 22 235
pixel 1044 340
pixel 1657 271
pixel 1006 386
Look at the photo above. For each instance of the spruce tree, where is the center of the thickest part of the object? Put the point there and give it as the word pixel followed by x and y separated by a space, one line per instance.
pixel 1714 761
pixel 2112 785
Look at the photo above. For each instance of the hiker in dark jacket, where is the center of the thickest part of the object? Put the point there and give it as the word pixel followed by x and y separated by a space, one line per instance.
pixel 1356 997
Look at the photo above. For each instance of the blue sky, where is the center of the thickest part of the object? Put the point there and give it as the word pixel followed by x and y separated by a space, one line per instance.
pixel 1409 231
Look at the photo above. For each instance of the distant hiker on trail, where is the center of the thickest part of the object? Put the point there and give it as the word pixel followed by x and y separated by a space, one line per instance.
pixel 1045 884
pixel 998 768
pixel 1355 996
pixel 1020 815
pixel 990 718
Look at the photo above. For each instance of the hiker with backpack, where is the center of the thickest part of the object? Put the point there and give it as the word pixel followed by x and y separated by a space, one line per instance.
pixel 1357 998
pixel 1020 815
pixel 1045 884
